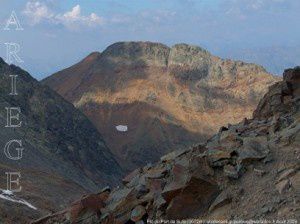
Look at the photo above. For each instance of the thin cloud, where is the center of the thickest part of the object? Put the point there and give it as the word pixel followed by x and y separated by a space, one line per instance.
pixel 74 19
pixel 38 12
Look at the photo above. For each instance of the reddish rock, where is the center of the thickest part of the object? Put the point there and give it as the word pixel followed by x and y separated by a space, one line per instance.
pixel 132 175
pixel 93 203
pixel 193 201
pixel 285 174
pixel 199 167
pixel 156 172
pixel 218 153
pixel 254 148
pixel 230 171
pixel 295 182
pixel 137 213
pixel 179 177
pixel 229 139
pixel 282 186
pixel 222 199
pixel 155 185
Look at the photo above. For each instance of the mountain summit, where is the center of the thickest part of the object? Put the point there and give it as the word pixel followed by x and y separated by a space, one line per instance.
pixel 164 98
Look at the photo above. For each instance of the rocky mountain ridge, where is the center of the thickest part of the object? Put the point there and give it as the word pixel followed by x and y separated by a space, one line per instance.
pixel 247 171
pixel 168 98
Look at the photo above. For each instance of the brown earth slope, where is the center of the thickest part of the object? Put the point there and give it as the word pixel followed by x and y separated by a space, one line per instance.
pixel 64 155
pixel 247 171
pixel 167 97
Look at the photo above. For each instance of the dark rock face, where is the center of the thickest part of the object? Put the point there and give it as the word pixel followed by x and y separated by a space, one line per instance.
pixel 189 63
pixel 169 98
pixel 246 171
pixel 137 54
pixel 281 96
pixel 64 154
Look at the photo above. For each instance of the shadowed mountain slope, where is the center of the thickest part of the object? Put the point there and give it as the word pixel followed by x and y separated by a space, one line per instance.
pixel 64 155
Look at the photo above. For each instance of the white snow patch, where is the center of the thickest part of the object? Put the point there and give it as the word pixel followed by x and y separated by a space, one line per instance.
pixel 7 192
pixel 122 128
pixel 9 196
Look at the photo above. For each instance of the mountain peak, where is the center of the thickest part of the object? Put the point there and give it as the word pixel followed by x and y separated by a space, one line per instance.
pixel 152 53
pixel 92 56
pixel 133 46
pixel 189 48
pixel 139 53
pixel 164 93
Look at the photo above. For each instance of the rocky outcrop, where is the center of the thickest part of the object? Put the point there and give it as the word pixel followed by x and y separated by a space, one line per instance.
pixel 64 155
pixel 137 54
pixel 279 99
pixel 169 98
pixel 249 170
pixel 189 63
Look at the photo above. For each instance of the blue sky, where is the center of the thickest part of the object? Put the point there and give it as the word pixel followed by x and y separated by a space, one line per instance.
pixel 59 33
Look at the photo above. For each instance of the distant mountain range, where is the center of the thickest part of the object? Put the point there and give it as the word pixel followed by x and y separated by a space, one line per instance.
pixel 275 58
pixel 148 99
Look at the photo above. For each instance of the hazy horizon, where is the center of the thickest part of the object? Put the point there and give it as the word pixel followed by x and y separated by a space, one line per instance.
pixel 258 31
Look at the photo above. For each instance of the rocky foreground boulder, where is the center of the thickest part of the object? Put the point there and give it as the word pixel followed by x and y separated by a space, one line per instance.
pixel 249 170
